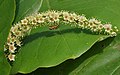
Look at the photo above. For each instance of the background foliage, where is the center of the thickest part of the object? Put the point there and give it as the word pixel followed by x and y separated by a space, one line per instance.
pixel 67 50
pixel 7 13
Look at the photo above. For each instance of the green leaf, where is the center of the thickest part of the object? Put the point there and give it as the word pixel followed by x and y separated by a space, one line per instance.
pixel 26 7
pixel 7 12
pixel 49 48
pixel 104 63
pixel 102 59
pixel 46 48
pixel 105 10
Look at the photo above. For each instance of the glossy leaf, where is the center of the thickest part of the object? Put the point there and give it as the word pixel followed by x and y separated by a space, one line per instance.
pixel 102 59
pixel 7 12
pixel 26 7
pixel 49 48
pixel 46 48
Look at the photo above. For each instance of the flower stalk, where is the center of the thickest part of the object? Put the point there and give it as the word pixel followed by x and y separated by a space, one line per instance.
pixel 19 30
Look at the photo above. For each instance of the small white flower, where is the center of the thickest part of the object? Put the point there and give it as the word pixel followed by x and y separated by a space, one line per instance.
pixel 40 19
pixel 71 18
pixel 11 57
pixel 18 24
pixel 34 21
pixel 56 17
pixel 18 33
pixel 12 48
pixel 39 15
pixel 65 16
pixel 30 19
pixel 8 40
pixel 51 14
pixel 75 16
pixel 94 21
pixel 82 18
pixel 94 28
pixel 107 27
pixel 18 43
pixel 14 29
pixel 25 28
pixel 11 40
pixel 51 20
pixel 81 26
pixel 24 21
pixel 113 34
pixel 100 26
pixel 90 25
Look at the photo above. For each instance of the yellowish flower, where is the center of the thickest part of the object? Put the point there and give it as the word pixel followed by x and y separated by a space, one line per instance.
pixel 107 27
pixel 14 29
pixel 8 41
pixel 53 16
pixel 71 18
pixel 76 17
pixel 11 40
pixel 100 26
pixel 18 34
pixel 25 28
pixel 94 28
pixel 51 20
pixel 65 16
pixel 18 42
pixel 11 57
pixel 94 21
pixel 12 48
pixel 40 19
pixel 24 21
pixel 82 18
pixel 113 34
pixel 56 17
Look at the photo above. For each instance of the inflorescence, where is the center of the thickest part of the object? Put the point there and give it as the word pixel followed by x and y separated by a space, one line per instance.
pixel 19 30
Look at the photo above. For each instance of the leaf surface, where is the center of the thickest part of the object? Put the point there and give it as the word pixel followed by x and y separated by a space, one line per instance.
pixel 103 58
pixel 46 48
pixel 26 7
pixel 7 12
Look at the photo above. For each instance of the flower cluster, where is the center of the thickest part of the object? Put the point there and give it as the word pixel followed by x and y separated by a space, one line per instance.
pixel 19 30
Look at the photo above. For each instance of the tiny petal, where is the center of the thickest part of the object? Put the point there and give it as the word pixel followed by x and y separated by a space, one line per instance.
pixel 100 26
pixel 82 18
pixel 108 26
pixel 18 43
pixel 94 21
pixel 113 33
pixel 11 57
pixel 65 15
pixel 24 21
pixel 40 19
pixel 71 18
pixel 5 49
pixel 12 48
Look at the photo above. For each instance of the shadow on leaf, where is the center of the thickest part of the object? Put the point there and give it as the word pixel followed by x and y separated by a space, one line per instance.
pixel 51 33
pixel 70 65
